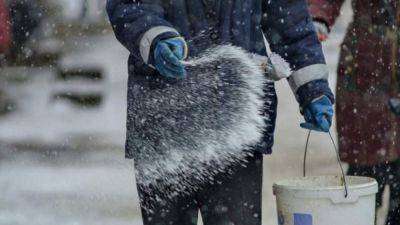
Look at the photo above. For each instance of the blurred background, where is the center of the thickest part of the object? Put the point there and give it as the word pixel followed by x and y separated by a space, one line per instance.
pixel 63 80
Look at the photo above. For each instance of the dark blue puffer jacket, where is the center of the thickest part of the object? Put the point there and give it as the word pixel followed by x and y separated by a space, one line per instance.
pixel 139 24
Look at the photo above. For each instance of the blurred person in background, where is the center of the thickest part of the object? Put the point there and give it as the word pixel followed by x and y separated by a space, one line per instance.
pixel 159 34
pixel 25 17
pixel 368 76
pixel 92 10
pixel 5 32
pixel 5 44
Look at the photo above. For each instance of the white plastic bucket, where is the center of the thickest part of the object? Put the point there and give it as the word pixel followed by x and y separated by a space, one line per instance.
pixel 321 201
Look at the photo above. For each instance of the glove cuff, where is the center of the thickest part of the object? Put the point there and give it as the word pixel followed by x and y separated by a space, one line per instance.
pixel 321 27
pixel 310 91
pixel 162 37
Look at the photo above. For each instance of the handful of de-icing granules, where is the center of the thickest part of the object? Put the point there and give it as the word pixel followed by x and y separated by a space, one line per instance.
pixel 189 130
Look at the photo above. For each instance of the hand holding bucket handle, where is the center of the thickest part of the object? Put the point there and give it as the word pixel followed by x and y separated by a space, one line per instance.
pixel 337 156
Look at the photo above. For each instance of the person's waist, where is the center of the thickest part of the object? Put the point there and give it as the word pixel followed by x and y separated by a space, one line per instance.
pixel 374 21
pixel 376 29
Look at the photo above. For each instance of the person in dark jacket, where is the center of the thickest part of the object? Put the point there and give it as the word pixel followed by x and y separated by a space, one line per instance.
pixel 161 33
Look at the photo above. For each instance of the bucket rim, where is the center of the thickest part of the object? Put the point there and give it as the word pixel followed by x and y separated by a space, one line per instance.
pixel 369 182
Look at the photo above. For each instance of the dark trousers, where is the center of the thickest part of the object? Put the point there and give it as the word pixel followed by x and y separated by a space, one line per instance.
pixel 385 174
pixel 233 199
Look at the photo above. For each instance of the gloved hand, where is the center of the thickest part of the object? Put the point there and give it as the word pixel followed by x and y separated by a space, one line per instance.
pixel 322 31
pixel 168 55
pixel 318 115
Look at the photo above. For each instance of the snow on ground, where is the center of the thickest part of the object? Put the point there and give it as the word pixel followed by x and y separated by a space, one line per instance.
pixel 40 118
pixel 65 165
pixel 66 186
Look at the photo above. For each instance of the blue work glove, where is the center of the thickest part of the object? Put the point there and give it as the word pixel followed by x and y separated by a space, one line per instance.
pixel 168 55
pixel 318 115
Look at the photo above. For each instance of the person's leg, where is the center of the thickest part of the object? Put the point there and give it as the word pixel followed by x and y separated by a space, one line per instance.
pixel 394 202
pixel 235 198
pixel 181 210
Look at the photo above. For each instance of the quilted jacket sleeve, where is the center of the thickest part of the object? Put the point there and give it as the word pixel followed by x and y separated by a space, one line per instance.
pixel 138 23
pixel 290 31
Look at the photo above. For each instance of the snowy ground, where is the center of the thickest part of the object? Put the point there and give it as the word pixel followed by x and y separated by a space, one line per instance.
pixel 65 165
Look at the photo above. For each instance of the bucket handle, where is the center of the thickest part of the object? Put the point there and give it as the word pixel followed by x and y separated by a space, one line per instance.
pixel 337 156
